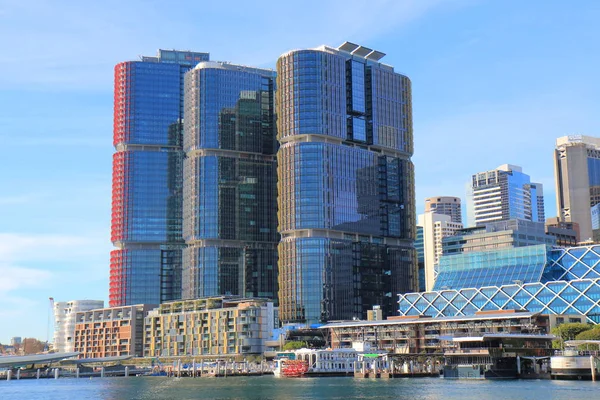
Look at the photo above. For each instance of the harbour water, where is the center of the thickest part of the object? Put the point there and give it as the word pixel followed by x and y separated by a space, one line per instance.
pixel 268 387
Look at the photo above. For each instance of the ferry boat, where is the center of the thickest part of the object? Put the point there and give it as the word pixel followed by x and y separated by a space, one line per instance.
pixel 316 362
pixel 573 363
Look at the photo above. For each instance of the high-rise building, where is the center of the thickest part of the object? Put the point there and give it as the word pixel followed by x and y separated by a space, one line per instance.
pixel 230 182
pixel 435 228
pixel 65 313
pixel 446 205
pixel 148 178
pixel 504 193
pixel 577 177
pixel 345 184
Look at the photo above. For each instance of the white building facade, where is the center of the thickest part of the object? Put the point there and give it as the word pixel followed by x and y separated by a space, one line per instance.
pixel 435 228
pixel 64 321
pixel 504 193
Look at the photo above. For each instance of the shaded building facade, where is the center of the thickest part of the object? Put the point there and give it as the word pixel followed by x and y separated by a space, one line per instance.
pixel 345 184
pixel 230 190
pixel 146 223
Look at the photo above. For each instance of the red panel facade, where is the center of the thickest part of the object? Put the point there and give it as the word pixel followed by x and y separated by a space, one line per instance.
pixel 117 295
pixel 118 259
pixel 121 103
pixel 120 197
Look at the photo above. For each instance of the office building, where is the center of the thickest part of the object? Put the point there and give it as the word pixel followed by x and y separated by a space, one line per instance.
pixel 146 225
pixel 497 253
pixel 504 193
pixel 111 332
pixel 564 281
pixel 566 233
pixel 496 236
pixel 345 184
pixel 65 313
pixel 436 227
pixel 230 182
pixel 214 326
pixel 577 177
pixel 446 205
pixel 491 268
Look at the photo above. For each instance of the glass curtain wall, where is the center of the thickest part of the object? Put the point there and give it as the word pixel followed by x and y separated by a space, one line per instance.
pixel 230 198
pixel 345 186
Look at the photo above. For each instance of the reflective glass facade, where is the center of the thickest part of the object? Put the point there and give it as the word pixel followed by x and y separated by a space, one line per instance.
pixel 491 268
pixel 502 194
pixel 146 225
pixel 569 284
pixel 230 190
pixel 345 186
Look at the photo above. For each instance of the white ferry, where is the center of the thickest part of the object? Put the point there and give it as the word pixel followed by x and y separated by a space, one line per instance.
pixel 319 362
pixel 573 363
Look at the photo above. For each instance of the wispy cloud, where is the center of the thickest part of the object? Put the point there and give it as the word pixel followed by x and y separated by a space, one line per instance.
pixel 75 45
pixel 34 267
pixel 14 277
pixel 20 248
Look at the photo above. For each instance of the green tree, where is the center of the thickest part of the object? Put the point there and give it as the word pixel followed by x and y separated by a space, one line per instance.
pixel 590 334
pixel 294 345
pixel 568 331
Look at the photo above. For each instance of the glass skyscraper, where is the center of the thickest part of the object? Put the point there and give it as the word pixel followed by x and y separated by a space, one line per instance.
pixel 146 225
pixel 345 184
pixel 230 189
pixel 504 193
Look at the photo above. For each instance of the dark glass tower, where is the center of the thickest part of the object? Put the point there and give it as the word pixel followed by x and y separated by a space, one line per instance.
pixel 230 190
pixel 345 184
pixel 148 178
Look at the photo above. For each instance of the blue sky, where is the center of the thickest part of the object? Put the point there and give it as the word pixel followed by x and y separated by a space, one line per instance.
pixel 494 82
